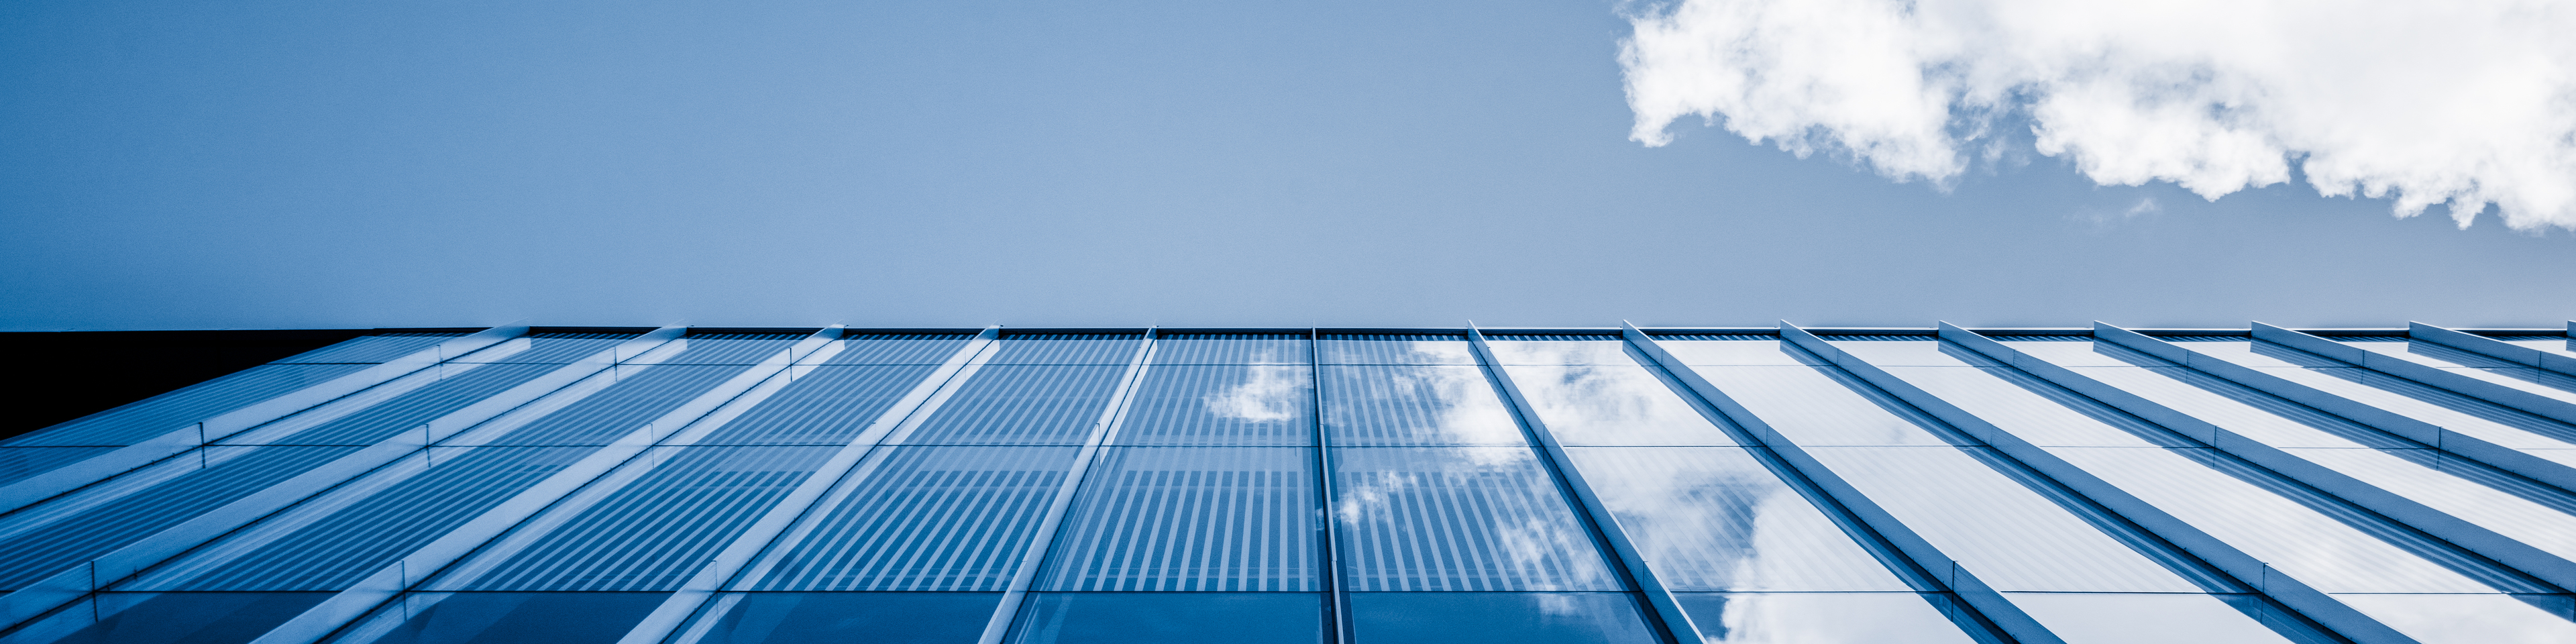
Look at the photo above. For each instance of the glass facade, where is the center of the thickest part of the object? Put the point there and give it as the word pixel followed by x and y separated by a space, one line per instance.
pixel 1318 486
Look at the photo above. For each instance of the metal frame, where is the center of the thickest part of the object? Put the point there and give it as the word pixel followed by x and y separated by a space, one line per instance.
pixel 2474 388
pixel 1338 606
pixel 1111 417
pixel 2492 347
pixel 62 480
pixel 1916 557
pixel 1626 560
pixel 2246 571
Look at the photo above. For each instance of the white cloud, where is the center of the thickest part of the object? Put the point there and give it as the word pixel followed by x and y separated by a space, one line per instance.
pixel 2469 103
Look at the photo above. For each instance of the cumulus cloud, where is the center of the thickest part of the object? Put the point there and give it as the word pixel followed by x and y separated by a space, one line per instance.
pixel 2466 103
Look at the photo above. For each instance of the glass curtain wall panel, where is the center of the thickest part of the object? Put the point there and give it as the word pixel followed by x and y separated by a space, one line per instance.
pixel 2486 368
pixel 453 386
pixel 2535 514
pixel 919 518
pixel 176 618
pixel 648 535
pixel 1172 618
pixel 805 617
pixel 1231 348
pixel 898 348
pixel 68 530
pixel 2483 420
pixel 502 618
pixel 1498 618
pixel 2050 555
pixel 1415 405
pixel 1594 391
pixel 19 463
pixel 370 349
pixel 1068 348
pixel 1191 519
pixel 731 348
pixel 1021 405
pixel 2305 534
pixel 640 394
pixel 330 542
pixel 824 405
pixel 151 417
pixel 1394 349
pixel 549 348
pixel 1263 404
pixel 1459 519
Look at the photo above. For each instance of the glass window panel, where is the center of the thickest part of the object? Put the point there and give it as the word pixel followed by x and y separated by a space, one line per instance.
pixel 1230 348
pixel 731 348
pixel 20 463
pixel 1192 518
pixel 2080 351
pixel 2254 414
pixel 1416 405
pixel 2011 537
pixel 2148 618
pixel 2516 508
pixel 506 618
pixel 371 349
pixel 2465 619
pixel 179 618
pixel 641 394
pixel 807 618
pixel 1562 350
pixel 1816 406
pixel 2308 545
pixel 331 542
pixel 549 348
pixel 1459 518
pixel 1613 405
pixel 2478 418
pixel 46 539
pixel 457 386
pixel 826 405
pixel 1069 348
pixel 1221 405
pixel 1713 518
pixel 1395 349
pixel 1498 618
pixel 1735 350
pixel 2036 410
pixel 921 518
pixel 151 417
pixel 1172 618
pixel 1782 618
pixel 1021 405
pixel 1909 351
pixel 2489 369
pixel 660 529
pixel 899 348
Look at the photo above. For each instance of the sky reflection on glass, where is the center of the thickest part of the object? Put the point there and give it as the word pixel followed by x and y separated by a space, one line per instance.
pixel 1713 519
pixel 1459 518
pixel 1415 405
pixel 1613 405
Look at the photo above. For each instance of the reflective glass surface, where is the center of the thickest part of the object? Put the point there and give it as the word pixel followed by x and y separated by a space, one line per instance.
pixel 732 348
pixel 1069 348
pixel 1498 618
pixel 1713 518
pixel 2151 618
pixel 1021 405
pixel 1782 618
pixel 2481 419
pixel 549 348
pixel 174 618
pixel 826 405
pixel 636 395
pixel 2035 410
pixel 1814 406
pixel 668 522
pixel 370 349
pixel 1613 405
pixel 1735 350
pixel 2011 537
pixel 1230 348
pixel 1192 518
pixel 1562 350
pixel 46 539
pixel 802 618
pixel 381 412
pixel 1221 405
pixel 1415 405
pixel 1172 618
pixel 1395 349
pixel 2485 368
pixel 2467 619
pixel 151 417
pixel 505 618
pixel 898 348
pixel 920 519
pixel 2558 344
pixel 19 463
pixel 1459 518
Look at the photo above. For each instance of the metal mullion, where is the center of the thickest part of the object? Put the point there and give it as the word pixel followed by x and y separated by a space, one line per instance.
pixel 2527 402
pixel 195 436
pixel 1907 554
pixel 763 533
pixel 392 581
pixel 1338 605
pixel 1597 519
pixel 2221 558
pixel 1035 554
pixel 45 595
pixel 2491 347
pixel 2468 536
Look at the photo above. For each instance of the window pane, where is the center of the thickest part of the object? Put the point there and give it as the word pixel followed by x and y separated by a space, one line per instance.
pixel 1172 618
pixel 1712 518
pixel 1395 349
pixel 1613 405
pixel 1230 348
pixel 1415 405
pixel 824 406
pixel 661 528
pixel 1498 618
pixel 506 618
pixel 1021 405
pixel 804 618
pixel 1221 405
pixel 1780 618
pixel 1459 518
pixel 1192 518
pixel 1069 348
pixel 921 518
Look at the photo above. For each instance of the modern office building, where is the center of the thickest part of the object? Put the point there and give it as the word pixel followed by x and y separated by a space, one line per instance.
pixel 1601 485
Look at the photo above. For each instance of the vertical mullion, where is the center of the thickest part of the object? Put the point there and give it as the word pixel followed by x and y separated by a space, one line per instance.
pixel 1339 608
pixel 1605 528
pixel 1035 554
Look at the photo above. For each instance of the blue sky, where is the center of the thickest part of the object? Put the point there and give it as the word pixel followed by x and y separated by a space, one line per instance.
pixel 298 165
